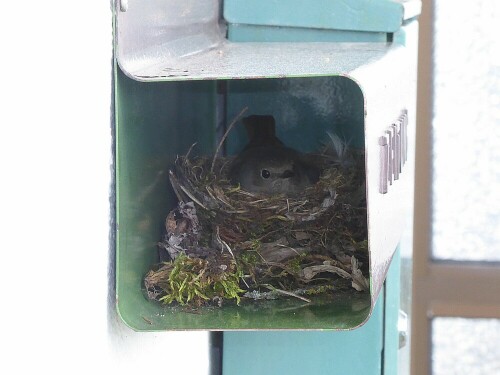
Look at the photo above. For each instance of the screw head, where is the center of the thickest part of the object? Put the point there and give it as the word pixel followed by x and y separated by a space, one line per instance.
pixel 123 5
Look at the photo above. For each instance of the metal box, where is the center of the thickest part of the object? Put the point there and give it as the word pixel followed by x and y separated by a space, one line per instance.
pixel 317 20
pixel 178 77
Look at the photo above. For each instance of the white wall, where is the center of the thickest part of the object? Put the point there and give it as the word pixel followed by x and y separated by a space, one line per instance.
pixel 55 173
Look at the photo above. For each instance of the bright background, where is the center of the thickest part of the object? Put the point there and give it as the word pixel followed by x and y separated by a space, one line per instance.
pixel 55 174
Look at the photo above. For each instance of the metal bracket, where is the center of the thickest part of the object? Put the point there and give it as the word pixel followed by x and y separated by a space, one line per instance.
pixel 123 5
pixel 403 329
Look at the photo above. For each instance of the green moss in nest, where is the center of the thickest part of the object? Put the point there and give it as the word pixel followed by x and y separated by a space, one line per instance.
pixel 194 280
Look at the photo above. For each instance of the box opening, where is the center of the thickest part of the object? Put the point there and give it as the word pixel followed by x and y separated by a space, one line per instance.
pixel 156 122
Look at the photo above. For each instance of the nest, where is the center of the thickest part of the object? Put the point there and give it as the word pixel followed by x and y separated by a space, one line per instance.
pixel 229 244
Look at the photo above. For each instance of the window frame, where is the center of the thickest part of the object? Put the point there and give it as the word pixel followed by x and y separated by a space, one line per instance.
pixel 441 288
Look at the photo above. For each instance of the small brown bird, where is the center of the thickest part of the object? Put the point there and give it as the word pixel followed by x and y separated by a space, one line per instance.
pixel 267 166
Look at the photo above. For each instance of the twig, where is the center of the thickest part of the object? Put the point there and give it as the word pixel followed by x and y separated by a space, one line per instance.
pixel 286 293
pixel 223 243
pixel 175 186
pixel 189 151
pixel 235 120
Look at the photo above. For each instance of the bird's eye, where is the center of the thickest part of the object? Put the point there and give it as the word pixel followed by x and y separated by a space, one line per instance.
pixel 265 173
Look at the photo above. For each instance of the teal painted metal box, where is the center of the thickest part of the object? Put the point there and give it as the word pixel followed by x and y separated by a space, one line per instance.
pixel 355 15
pixel 317 20
pixel 369 350
pixel 176 87
pixel 158 121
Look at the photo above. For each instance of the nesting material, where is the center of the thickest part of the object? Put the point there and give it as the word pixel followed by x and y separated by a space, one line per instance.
pixel 229 244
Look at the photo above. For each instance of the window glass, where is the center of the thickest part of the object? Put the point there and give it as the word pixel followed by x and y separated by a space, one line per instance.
pixel 465 346
pixel 466 131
